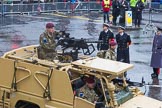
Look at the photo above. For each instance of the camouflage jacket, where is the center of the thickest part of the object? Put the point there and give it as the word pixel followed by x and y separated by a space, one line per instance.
pixel 47 41
pixel 107 54
pixel 110 54
pixel 88 94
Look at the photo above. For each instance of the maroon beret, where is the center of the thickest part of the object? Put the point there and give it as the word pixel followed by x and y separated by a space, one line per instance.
pixel 49 25
pixel 112 43
pixel 90 80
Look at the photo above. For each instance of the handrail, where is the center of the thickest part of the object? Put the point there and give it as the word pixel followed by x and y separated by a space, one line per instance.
pixel 47 93
pixel 25 70
pixel 14 81
pixel 36 78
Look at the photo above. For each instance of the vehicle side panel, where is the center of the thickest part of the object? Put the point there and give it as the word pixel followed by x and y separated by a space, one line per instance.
pixel 6 72
pixel 82 103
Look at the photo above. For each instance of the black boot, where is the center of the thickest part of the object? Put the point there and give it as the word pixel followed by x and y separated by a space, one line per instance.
pixel 154 75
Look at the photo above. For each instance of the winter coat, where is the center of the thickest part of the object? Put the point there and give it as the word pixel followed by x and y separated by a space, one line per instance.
pixel 156 59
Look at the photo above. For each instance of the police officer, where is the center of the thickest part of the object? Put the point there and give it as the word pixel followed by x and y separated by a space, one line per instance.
pixel 156 59
pixel 106 36
pixel 47 43
pixel 87 91
pixel 123 41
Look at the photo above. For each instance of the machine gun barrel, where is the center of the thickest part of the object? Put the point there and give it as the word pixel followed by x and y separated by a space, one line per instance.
pixel 130 83
pixel 66 42
pixel 93 41
pixel 77 44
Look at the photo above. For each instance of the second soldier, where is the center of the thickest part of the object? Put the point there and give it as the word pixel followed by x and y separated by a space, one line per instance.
pixel 47 49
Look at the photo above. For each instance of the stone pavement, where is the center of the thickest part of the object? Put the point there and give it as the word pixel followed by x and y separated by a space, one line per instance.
pixel 156 18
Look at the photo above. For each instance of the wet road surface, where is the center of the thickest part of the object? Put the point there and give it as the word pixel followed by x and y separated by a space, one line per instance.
pixel 17 31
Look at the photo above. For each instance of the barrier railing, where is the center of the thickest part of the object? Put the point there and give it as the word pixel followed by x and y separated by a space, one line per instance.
pixel 58 6
pixel 49 7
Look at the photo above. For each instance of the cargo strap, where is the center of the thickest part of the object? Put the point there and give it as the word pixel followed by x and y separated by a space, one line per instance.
pixel 47 92
pixel 14 80
pixel 14 84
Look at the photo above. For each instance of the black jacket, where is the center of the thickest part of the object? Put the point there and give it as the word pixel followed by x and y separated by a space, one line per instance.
pixel 139 6
pixel 123 47
pixel 123 40
pixel 105 37
pixel 123 8
pixel 116 8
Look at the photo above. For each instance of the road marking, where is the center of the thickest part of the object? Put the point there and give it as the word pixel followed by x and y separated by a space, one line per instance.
pixel 76 17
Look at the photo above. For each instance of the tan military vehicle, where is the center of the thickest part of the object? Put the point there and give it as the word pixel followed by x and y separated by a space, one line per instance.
pixel 28 82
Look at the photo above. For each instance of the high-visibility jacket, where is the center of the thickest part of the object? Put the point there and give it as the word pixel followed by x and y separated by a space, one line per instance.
pixel 133 3
pixel 106 5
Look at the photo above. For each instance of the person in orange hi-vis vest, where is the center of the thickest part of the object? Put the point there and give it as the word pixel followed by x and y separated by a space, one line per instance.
pixel 106 4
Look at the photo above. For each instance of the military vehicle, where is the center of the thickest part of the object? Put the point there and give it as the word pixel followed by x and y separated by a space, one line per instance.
pixel 29 82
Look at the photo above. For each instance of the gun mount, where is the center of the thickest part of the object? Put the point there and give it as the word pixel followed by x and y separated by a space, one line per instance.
pixel 71 46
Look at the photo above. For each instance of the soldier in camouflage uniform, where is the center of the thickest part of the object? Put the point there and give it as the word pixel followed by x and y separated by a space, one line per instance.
pixel 110 53
pixel 87 92
pixel 47 49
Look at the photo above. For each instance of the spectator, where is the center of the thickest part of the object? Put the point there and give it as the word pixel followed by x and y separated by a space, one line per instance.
pixel 139 8
pixel 115 11
pixel 106 4
pixel 133 8
pixel 123 9
pixel 73 5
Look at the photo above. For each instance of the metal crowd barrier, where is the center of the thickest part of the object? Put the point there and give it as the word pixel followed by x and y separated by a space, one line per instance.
pixel 49 7
pixel 26 8
pixel 59 6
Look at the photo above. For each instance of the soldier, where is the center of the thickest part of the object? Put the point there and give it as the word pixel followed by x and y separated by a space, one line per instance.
pixel 87 91
pixel 156 59
pixel 123 41
pixel 47 43
pixel 106 36
pixel 110 53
